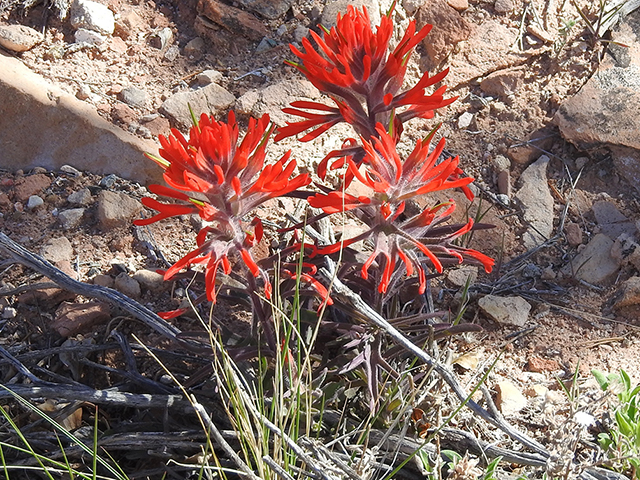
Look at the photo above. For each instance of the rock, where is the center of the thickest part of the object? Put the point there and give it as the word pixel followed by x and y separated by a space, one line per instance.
pixel 208 76
pixel 332 8
pixel 410 6
pixel 74 318
pixel 459 276
pixel 503 6
pixel 500 163
pixel 210 99
pixel 503 82
pixel 594 264
pixel 108 181
pixel 459 5
pixel 71 217
pixel 158 126
pixel 9 312
pixel 194 48
pixel 172 53
pixel 271 9
pixel 161 39
pixel 573 234
pixel 57 249
pixel 116 209
pixel 626 250
pixel 537 390
pixel 34 202
pixel 246 102
pixel 71 170
pixel 628 294
pixel 25 187
pixel 103 280
pixel 537 203
pixel 84 35
pixel 81 197
pixel 92 16
pixel 537 364
pixel 50 128
pixel 509 399
pixel 84 92
pixel 134 96
pixel 449 28
pixel 611 221
pixel 265 45
pixel 123 113
pixel 232 19
pixel 300 33
pixel 273 98
pixel 503 182
pixel 127 285
pixel 506 310
pixel 150 279
pixel 19 38
pixel 465 120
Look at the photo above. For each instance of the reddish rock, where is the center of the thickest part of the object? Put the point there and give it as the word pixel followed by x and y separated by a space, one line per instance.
pixel 74 318
pixel 123 113
pixel 31 185
pixel 459 5
pixel 159 126
pixel 45 298
pixel 5 201
pixel 233 19
pixel 503 82
pixel 449 28
pixel 573 233
pixel 539 365
pixel 116 209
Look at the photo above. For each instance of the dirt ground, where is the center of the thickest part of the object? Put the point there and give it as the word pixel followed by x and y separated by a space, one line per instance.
pixel 572 325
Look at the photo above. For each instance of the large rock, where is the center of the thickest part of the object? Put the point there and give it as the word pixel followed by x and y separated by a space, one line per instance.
pixel 19 38
pixel 506 310
pixel 449 28
pixel 41 125
pixel 594 264
pixel 537 203
pixel 92 16
pixel 211 99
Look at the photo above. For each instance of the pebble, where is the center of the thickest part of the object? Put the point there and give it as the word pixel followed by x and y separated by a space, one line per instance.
pixel 573 234
pixel 172 53
pixel 84 92
pixel 34 202
pixel 71 170
pixel 57 249
pixel 127 285
pixel 594 264
pixel 70 218
pixel 103 280
pixel 81 197
pixel 208 76
pixel 460 5
pixel 19 38
pixel 92 16
pixel 161 39
pixel 116 209
pixel 150 279
pixel 300 32
pixel 9 312
pixel 84 35
pixel 506 310
pixel 465 120
pixel 134 96
pixel 537 203
pixel 108 181
pixel 194 48
pixel 509 399
pixel 503 6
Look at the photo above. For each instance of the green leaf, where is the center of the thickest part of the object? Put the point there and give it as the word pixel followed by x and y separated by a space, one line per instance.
pixel 601 378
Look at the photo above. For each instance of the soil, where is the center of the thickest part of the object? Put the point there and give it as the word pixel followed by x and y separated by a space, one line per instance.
pixel 573 325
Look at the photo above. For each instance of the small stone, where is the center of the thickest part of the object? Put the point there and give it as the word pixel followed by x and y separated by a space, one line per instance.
pixel 501 163
pixel 194 48
pixel 19 38
pixel 34 202
pixel 611 221
pixel 84 92
pixel 503 6
pixel 594 264
pixel 626 250
pixel 92 16
pixel 74 318
pixel 103 280
pixel 537 203
pixel 127 285
pixel 537 390
pixel 459 5
pixel 537 364
pixel 581 162
pixel 503 199
pixel 509 399
pixel 504 183
pixel 459 276
pixel 266 44
pixel 123 113
pixel 108 181
pixel 300 33
pixel 134 96
pixel 30 185
pixel 90 37
pixel 410 6
pixel 116 209
pixel 9 312
pixel 506 310
pixel 150 279
pixel 158 126
pixel 208 76
pixel 209 99
pixel 71 170
pixel 161 39
pixel 172 53
pixel 465 120
pixel 71 218
pixel 81 197
pixel 246 102
pixel 503 82
pixel 628 293
pixel 573 234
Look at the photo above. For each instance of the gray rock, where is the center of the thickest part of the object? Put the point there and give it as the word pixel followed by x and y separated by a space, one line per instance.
pixel 459 276
pixel 611 221
pixel 150 279
pixel 92 16
pixel 506 310
pixel 465 120
pixel 537 203
pixel 134 96
pixel 9 312
pixel 81 197
pixel 127 285
pixel 208 76
pixel 210 99
pixel 57 249
pixel 116 209
pixel 71 218
pixel 503 6
pixel 410 6
pixel 300 32
pixel 270 9
pixel 247 102
pixel 103 280
pixel 18 38
pixel 573 232
pixel 194 48
pixel 594 264
pixel 71 170
pixel 34 202
pixel 331 10
pixel 84 35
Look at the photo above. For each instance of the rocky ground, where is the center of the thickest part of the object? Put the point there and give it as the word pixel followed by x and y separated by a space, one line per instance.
pixel 545 122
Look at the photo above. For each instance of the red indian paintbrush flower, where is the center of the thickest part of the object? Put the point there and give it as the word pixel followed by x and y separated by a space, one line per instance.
pixel 393 182
pixel 354 67
pixel 222 180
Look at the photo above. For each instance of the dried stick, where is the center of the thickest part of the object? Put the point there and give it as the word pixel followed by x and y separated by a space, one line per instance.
pixel 142 313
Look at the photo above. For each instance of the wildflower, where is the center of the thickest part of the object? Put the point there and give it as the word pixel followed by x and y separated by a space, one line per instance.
pixel 393 182
pixel 354 67
pixel 223 181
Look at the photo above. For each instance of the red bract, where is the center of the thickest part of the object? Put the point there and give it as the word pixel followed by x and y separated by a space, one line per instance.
pixel 354 67
pixel 393 182
pixel 222 180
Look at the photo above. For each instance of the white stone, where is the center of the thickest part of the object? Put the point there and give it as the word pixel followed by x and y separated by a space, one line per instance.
pixel 509 399
pixel 71 218
pixel 506 310
pixel 84 35
pixel 92 16
pixel 34 202
pixel 465 120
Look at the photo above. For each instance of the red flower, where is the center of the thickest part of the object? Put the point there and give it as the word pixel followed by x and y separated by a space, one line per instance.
pixel 224 181
pixel 393 182
pixel 354 67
